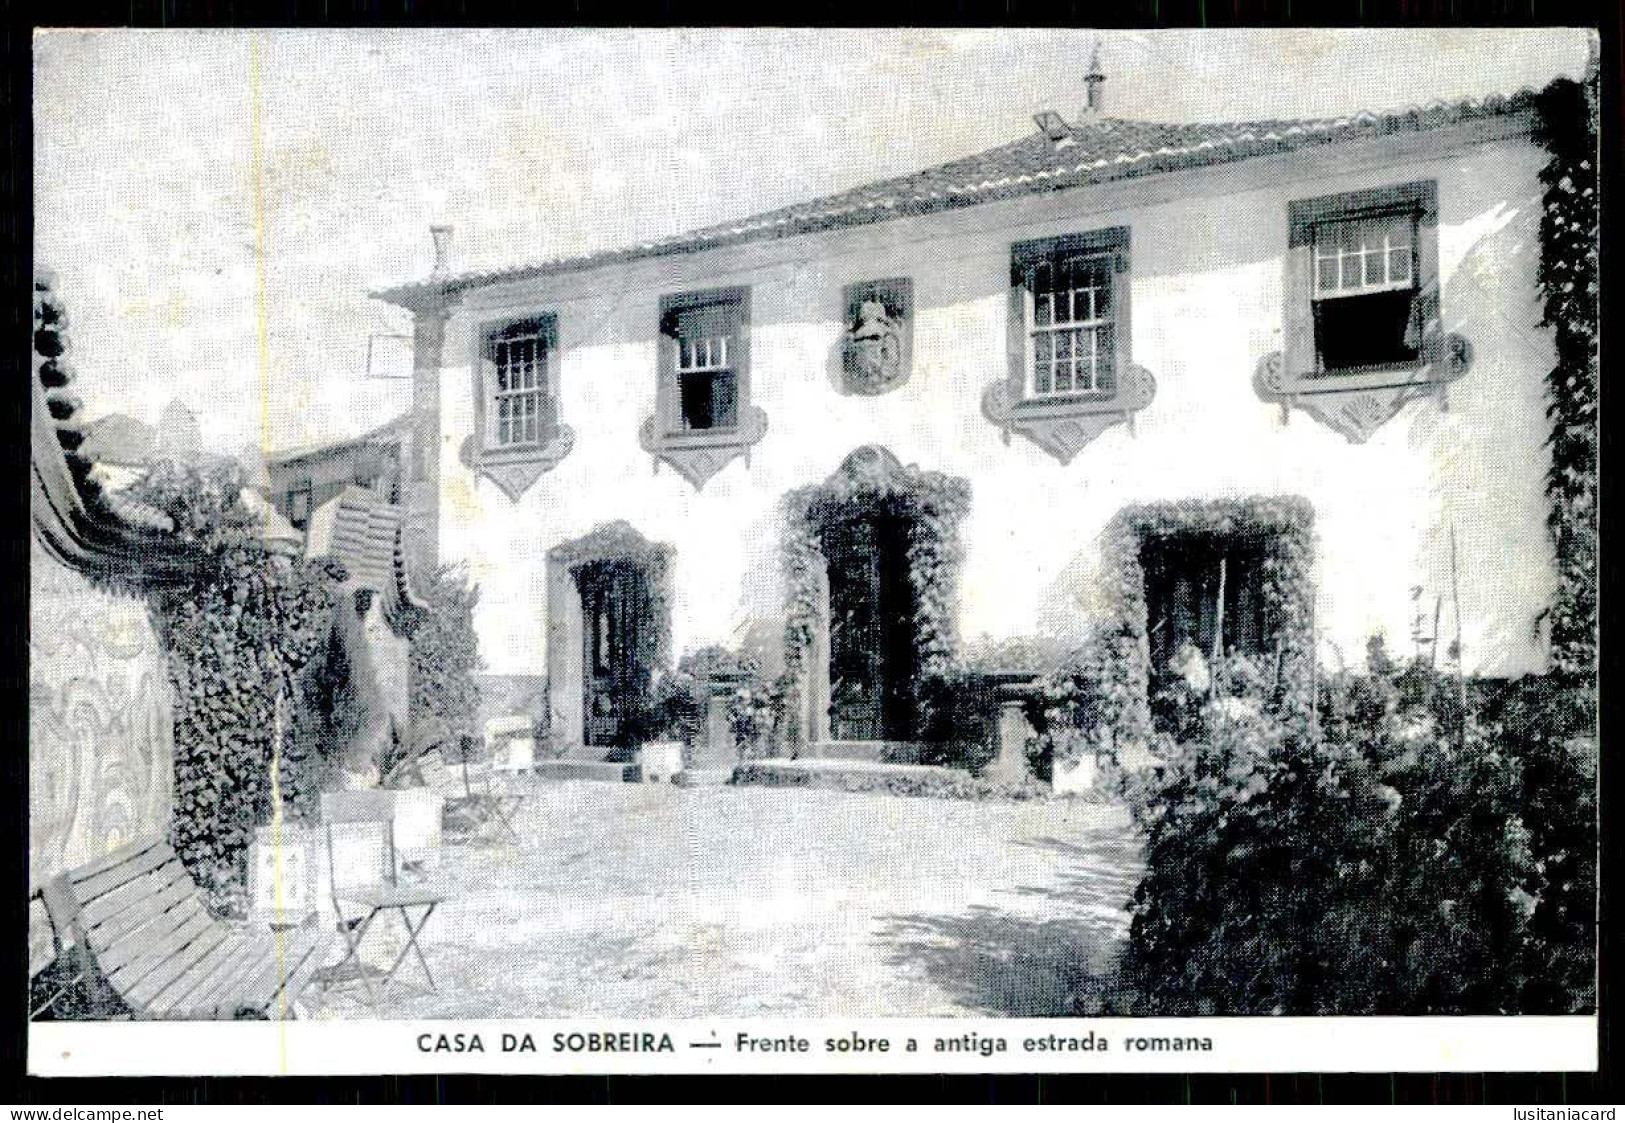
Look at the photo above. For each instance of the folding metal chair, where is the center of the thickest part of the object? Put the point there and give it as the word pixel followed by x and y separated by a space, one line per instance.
pixel 487 810
pixel 495 806
pixel 358 900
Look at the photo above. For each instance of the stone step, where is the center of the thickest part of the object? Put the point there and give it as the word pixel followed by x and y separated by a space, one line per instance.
pixel 703 777
pixel 887 752
pixel 566 768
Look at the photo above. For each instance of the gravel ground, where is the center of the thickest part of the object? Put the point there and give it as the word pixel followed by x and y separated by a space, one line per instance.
pixel 625 900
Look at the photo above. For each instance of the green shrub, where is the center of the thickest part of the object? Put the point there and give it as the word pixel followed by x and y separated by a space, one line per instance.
pixel 1079 714
pixel 445 657
pixel 1390 856
pixel 681 698
pixel 326 717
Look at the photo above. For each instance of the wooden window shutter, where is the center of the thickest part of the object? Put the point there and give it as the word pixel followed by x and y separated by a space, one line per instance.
pixel 1426 315
pixel 666 397
pixel 1021 288
pixel 1120 276
pixel 549 332
pixel 1298 340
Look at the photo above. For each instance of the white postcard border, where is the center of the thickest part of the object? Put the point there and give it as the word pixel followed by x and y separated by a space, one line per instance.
pixel 712 1045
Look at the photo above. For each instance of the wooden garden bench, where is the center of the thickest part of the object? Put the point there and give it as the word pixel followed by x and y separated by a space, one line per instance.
pixel 133 923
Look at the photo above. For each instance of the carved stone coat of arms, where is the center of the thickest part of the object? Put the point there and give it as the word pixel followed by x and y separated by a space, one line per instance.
pixel 875 348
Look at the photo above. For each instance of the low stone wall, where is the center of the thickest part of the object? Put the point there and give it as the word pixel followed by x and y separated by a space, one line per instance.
pixel 895 779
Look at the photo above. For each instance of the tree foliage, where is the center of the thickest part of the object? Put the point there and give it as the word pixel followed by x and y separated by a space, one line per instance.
pixel 445 702
pixel 1399 855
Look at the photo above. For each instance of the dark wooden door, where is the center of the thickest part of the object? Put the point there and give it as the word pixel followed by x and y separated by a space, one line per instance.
pixel 615 632
pixel 1184 577
pixel 872 641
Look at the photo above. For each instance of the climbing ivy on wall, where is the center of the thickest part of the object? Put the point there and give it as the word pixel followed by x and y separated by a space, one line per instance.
pixel 1568 286
pixel 236 638
pixel 872 482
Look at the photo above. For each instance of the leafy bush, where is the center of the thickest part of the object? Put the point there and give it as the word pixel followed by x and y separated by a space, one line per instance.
pixel 1390 857
pixel 445 657
pixel 959 708
pixel 327 715
pixel 1081 713
pixel 237 637
pixel 681 698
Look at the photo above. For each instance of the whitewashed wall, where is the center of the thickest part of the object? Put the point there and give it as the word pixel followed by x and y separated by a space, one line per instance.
pixel 1207 253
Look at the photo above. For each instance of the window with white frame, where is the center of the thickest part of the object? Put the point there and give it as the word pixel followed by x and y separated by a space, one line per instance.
pixel 703 417
pixel 1363 331
pixel 1365 289
pixel 705 360
pixel 1071 349
pixel 1071 305
pixel 708 387
pixel 1362 280
pixel 520 407
pixel 1071 373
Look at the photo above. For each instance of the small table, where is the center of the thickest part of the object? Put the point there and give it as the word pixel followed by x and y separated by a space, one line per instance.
pixel 378 899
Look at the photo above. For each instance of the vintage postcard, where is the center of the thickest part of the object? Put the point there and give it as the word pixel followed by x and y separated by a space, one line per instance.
pixel 814 550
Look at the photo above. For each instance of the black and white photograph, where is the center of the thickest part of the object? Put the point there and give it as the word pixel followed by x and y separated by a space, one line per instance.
pixel 632 541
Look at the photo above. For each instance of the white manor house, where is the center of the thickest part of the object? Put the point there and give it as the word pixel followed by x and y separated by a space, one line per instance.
pixel 986 365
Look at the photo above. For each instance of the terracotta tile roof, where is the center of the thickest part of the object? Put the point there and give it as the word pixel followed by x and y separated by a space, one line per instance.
pixel 1095 152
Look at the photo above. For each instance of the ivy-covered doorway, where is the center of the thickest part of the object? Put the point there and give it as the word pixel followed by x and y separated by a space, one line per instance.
pixel 872 559
pixel 608 631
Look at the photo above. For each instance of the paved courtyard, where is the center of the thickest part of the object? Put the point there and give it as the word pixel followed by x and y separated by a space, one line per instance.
pixel 629 900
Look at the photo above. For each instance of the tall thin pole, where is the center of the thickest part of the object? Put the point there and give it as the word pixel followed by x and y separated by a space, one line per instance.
pixel 1461 661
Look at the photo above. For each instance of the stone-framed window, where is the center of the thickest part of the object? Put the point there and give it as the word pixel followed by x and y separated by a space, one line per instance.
pixel 520 404
pixel 703 413
pixel 517 431
pixel 1070 373
pixel 1362 328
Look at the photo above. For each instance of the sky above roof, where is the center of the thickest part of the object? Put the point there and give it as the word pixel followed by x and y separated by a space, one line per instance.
pixel 195 269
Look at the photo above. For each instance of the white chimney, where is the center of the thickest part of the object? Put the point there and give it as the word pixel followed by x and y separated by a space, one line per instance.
pixel 442 248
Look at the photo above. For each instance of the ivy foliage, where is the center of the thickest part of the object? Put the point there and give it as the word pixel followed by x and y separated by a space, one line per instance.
pixel 871 482
pixel 445 658
pixel 237 637
pixel 1568 289
pixel 1099 704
